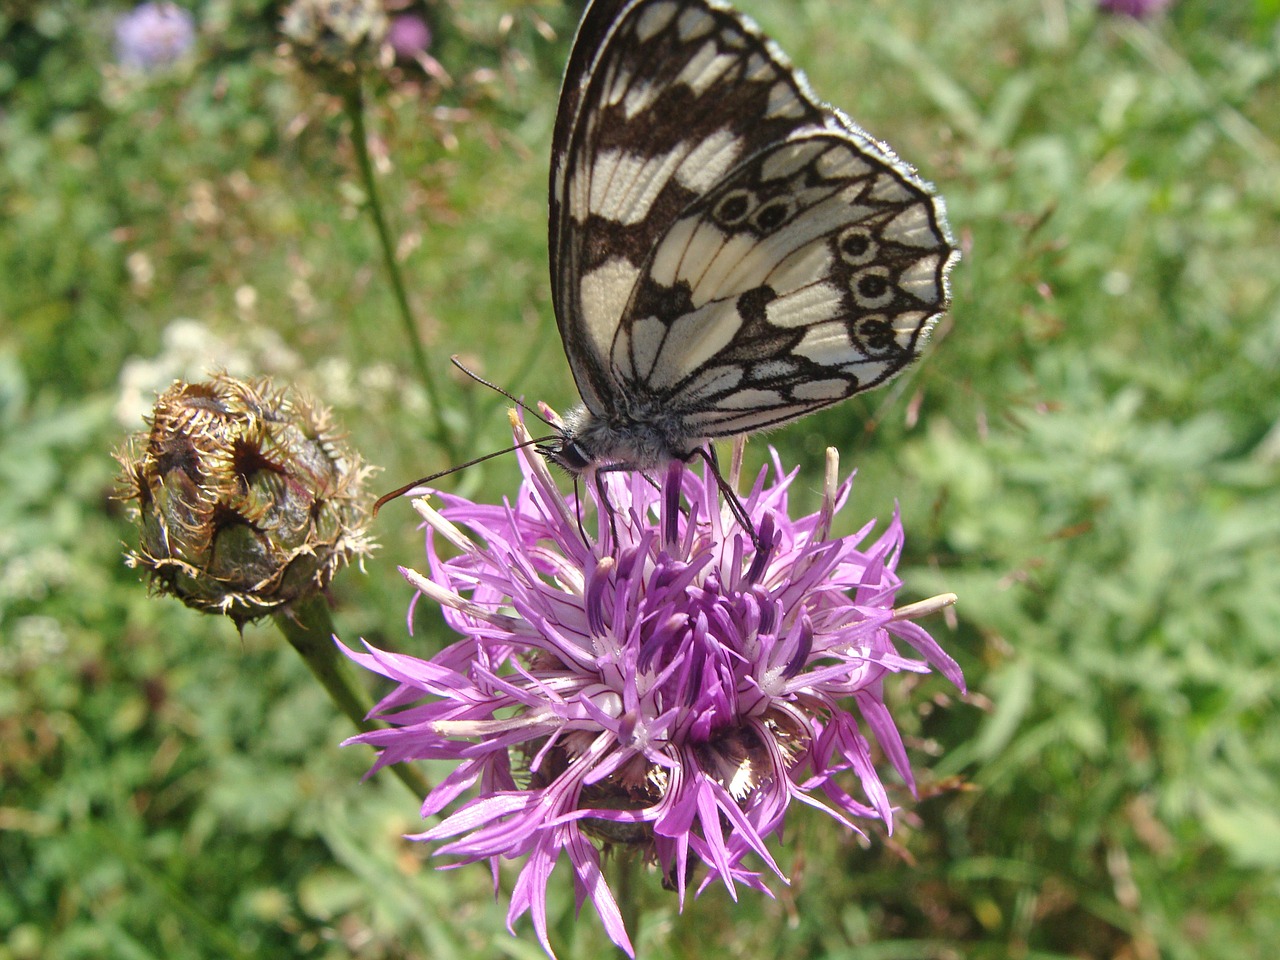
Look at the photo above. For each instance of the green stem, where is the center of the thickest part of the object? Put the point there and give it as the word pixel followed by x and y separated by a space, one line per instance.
pixel 626 866
pixel 354 101
pixel 309 629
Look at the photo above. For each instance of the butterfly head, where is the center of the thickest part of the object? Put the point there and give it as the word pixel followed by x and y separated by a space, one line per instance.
pixel 567 454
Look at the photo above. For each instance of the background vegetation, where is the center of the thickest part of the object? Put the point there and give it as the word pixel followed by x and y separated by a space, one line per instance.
pixel 1089 456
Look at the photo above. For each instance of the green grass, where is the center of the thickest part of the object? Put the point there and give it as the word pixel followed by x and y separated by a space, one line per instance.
pixel 1089 456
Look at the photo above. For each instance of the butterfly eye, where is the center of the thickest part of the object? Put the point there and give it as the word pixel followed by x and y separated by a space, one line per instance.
pixel 857 246
pixel 734 207
pixel 872 288
pixel 773 214
pixel 566 452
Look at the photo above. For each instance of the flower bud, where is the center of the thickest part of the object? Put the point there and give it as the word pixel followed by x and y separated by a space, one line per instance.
pixel 246 498
pixel 337 35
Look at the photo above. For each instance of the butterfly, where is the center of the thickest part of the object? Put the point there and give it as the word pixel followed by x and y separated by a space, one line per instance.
pixel 728 253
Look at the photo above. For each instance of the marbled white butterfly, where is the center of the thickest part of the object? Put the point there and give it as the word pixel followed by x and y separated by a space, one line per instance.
pixel 728 253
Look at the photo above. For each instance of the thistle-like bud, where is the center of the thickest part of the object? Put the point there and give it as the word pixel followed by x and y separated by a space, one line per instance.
pixel 246 498
pixel 340 35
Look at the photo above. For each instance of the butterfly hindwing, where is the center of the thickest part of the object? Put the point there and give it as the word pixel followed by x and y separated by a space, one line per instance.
pixel 808 274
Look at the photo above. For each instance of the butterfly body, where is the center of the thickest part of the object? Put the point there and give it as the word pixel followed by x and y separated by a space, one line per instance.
pixel 639 439
pixel 728 253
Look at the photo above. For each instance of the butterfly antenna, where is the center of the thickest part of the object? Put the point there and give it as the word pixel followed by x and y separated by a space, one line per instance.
pixel 401 491
pixel 497 389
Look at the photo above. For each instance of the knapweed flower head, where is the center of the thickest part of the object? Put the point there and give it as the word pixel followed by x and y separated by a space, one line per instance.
pixel 154 35
pixel 409 36
pixel 668 686
pixel 246 498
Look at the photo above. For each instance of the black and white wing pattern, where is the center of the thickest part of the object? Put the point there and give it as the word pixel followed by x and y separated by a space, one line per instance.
pixel 727 252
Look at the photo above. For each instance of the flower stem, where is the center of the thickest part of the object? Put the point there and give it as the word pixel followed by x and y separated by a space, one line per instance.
pixel 625 883
pixel 309 629
pixel 354 103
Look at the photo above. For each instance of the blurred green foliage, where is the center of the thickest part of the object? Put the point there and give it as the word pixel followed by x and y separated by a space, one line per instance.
pixel 1089 456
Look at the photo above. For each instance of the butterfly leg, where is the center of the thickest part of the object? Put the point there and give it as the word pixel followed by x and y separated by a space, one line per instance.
pixel 577 511
pixel 708 455
pixel 602 497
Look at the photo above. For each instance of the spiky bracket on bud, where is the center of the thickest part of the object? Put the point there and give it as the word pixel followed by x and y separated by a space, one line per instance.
pixel 338 36
pixel 246 498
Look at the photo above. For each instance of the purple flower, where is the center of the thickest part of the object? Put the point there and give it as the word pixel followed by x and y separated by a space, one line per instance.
pixel 668 687
pixel 1138 9
pixel 154 35
pixel 409 36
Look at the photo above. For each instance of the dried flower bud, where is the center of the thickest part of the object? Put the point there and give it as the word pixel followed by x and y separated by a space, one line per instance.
pixel 336 34
pixel 246 499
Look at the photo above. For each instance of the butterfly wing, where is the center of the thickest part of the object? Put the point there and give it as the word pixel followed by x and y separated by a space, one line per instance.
pixel 652 112
pixel 811 272
pixel 724 247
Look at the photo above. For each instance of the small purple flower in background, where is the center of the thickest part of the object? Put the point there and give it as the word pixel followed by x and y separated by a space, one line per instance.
pixel 671 688
pixel 1138 9
pixel 154 35
pixel 409 36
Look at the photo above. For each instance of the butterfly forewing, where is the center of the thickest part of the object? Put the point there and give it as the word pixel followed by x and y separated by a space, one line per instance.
pixel 675 96
pixel 727 252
